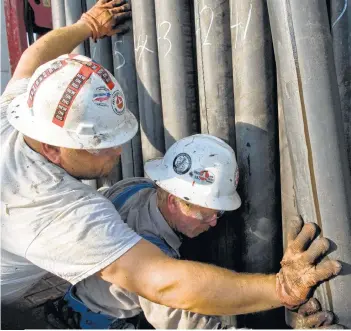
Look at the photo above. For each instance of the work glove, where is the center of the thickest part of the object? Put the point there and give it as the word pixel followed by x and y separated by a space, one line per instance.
pixel 311 316
pixel 105 17
pixel 300 271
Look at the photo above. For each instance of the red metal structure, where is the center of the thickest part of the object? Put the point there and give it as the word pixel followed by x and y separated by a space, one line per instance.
pixel 16 30
pixel 23 19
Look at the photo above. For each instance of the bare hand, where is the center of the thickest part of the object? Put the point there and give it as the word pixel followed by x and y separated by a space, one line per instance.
pixel 299 273
pixel 106 18
pixel 311 316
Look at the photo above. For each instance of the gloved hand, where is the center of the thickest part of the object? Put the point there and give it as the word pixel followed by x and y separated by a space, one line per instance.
pixel 311 316
pixel 105 17
pixel 298 273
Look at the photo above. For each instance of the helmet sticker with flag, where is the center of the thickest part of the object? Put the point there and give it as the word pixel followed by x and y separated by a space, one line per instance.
pixel 118 103
pixel 202 176
pixel 101 96
pixel 182 163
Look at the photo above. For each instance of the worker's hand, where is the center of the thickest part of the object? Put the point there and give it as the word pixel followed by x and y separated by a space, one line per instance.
pixel 299 272
pixel 105 17
pixel 311 316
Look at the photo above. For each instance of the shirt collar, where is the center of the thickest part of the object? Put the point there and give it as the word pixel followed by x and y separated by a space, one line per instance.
pixel 163 227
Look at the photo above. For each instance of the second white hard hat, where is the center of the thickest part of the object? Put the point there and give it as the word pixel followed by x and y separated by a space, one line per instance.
pixel 76 103
pixel 200 169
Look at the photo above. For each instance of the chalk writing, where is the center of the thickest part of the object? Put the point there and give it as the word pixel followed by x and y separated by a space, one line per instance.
pixel 120 58
pixel 208 10
pixel 341 14
pixel 165 37
pixel 240 26
pixel 141 47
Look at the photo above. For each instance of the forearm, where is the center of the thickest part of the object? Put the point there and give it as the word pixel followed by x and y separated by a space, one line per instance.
pixel 192 286
pixel 211 290
pixel 50 46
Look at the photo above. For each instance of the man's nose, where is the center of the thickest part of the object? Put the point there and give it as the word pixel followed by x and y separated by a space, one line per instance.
pixel 213 221
pixel 116 151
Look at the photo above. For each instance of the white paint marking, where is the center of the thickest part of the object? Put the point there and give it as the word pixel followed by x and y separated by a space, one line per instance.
pixel 248 21
pixel 142 48
pixel 239 26
pixel 119 54
pixel 206 43
pixel 341 15
pixel 165 36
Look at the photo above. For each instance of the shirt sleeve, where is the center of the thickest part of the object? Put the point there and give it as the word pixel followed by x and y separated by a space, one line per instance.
pixel 163 317
pixel 81 238
pixel 13 89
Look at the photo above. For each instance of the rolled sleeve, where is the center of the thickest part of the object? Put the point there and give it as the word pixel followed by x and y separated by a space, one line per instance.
pixel 81 239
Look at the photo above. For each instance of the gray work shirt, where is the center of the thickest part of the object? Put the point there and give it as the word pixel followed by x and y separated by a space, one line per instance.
pixel 141 213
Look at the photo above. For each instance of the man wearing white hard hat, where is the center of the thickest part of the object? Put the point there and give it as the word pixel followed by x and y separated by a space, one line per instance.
pixel 186 193
pixel 64 118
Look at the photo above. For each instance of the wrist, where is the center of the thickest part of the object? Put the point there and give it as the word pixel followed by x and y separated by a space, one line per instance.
pixel 85 28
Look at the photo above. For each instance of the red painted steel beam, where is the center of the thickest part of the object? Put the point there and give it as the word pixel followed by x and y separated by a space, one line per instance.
pixel 16 30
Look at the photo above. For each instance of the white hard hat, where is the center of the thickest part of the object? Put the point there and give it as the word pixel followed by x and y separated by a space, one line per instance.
pixel 73 102
pixel 200 169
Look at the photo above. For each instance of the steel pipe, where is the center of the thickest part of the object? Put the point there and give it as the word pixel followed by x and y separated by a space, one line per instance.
pixel 340 20
pixel 214 66
pixel 256 130
pixel 176 68
pixel 125 72
pixel 314 127
pixel 148 79
pixel 73 11
pixel 58 13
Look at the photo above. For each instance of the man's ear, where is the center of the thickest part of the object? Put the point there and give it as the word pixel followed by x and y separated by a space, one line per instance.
pixel 52 153
pixel 173 204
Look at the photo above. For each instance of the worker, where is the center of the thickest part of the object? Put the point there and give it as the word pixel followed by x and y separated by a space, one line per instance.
pixel 64 118
pixel 185 194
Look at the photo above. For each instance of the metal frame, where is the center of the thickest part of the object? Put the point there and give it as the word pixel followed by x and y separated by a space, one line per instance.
pixel 16 30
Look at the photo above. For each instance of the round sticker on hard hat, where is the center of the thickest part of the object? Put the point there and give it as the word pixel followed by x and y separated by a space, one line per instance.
pixel 236 177
pixel 182 163
pixel 118 104
pixel 202 176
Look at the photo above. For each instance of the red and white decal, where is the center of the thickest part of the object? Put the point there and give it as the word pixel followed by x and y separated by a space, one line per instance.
pixel 70 94
pixel 42 77
pixel 118 103
pixel 203 176
pixel 99 70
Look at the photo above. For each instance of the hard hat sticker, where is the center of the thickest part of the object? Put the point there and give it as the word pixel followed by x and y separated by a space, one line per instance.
pixel 55 66
pixel 202 176
pixel 101 96
pixel 69 96
pixel 118 104
pixel 182 163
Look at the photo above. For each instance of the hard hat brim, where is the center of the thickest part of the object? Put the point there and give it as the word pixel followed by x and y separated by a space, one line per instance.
pixel 20 117
pixel 160 174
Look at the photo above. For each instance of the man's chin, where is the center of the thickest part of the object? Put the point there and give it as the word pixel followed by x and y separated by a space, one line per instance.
pixel 94 176
pixel 102 174
pixel 86 177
